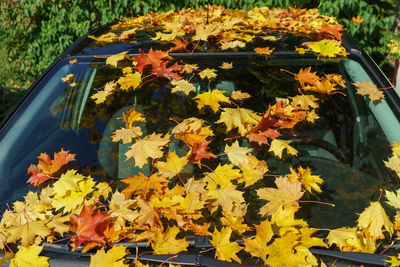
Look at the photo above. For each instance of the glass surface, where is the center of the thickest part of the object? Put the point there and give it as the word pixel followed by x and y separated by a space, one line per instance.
pixel 346 146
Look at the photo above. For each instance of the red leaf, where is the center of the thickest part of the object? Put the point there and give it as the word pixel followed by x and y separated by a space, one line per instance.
pixel 89 227
pixel 199 152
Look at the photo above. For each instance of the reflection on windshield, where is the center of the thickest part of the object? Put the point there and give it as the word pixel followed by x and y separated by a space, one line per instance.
pixel 124 138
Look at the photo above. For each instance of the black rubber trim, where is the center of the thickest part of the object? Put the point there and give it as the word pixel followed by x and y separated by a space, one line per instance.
pixel 356 257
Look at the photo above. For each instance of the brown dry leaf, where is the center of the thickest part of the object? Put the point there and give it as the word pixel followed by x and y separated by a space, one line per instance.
pixel 369 89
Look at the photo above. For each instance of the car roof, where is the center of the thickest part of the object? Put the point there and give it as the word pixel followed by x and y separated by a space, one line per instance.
pixel 285 40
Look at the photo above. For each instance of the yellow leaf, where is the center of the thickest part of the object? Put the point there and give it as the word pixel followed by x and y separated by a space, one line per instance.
pixel 241 118
pixel 105 38
pixel 369 89
pixel 286 194
pixel 189 68
pixel 238 95
pixel 208 73
pixel 252 170
pixel 394 260
pixel 235 223
pixel 113 60
pixel 222 176
pixel 340 236
pixel 257 246
pixel 131 117
pixel 121 211
pixel 304 176
pixel 112 258
pixel 396 149
pixel 57 224
pixel 266 51
pixel 28 232
pixel 126 135
pixel 203 31
pixel 393 198
pixel 226 66
pixel 149 146
pixel 327 48
pixel 166 243
pixel 305 102
pixel 372 219
pixel 277 147
pixel 29 256
pixel 225 250
pixel 183 86
pixel 232 45
pixel 227 197
pixel 130 80
pixel 211 99
pixel 68 78
pixel 237 154
pixel 172 166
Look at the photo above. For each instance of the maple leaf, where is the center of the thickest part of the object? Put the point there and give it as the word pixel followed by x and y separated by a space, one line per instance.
pixel 211 99
pixel 149 147
pixel 120 210
pixel 28 232
pixel 113 257
pixel 68 78
pixel 369 89
pixel 266 51
pixel 257 246
pixel 189 68
pixel 179 45
pixel 29 256
pixel 154 58
pixel 148 217
pixel 89 226
pixel 372 219
pixel 327 48
pixel 304 176
pixel 222 176
pixel 394 164
pixel 183 86
pixel 393 260
pixel 126 135
pixel 100 96
pixel 235 223
pixel 208 73
pixel 73 61
pixel 305 102
pixel 114 59
pixel 142 184
pixel 225 250
pixel 57 224
pixel 130 80
pixel 173 166
pixel 227 197
pixel 237 154
pixel 232 45
pixel 104 38
pixel 252 170
pixel 334 30
pixel 393 198
pixel 238 95
pixel 305 76
pixel 226 66
pixel 46 167
pixel 351 240
pixel 166 243
pixel 240 118
pixel 286 194
pixel 340 236
pixel 131 117
pixel 262 131
pixel 202 32
pixel 283 220
pixel 162 70
pixel 277 147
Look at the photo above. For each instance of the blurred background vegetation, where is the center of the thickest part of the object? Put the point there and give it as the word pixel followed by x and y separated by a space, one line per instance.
pixel 35 32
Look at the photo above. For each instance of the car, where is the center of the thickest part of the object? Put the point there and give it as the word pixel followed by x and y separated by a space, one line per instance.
pixel 254 137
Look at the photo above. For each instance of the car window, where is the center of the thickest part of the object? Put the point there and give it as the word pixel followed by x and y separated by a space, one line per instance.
pixel 346 143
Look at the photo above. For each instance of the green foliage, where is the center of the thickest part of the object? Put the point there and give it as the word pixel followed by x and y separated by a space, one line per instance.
pixel 35 32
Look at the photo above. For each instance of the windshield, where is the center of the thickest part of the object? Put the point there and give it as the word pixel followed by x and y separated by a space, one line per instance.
pixel 343 137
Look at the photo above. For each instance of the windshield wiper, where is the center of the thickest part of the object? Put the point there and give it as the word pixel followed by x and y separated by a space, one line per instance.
pixel 356 257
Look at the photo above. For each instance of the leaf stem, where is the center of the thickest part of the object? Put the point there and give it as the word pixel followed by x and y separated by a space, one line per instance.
pixel 170 258
pixel 207 250
pixel 317 202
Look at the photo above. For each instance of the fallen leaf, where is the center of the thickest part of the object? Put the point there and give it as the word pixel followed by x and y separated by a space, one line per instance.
pixel 369 89
pixel 277 147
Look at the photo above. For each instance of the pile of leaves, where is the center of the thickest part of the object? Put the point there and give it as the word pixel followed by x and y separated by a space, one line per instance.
pixel 163 208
